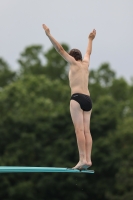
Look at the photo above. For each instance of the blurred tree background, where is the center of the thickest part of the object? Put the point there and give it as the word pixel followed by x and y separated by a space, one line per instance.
pixel 36 130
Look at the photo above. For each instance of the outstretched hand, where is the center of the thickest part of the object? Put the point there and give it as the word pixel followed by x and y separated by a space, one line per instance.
pixel 92 34
pixel 47 31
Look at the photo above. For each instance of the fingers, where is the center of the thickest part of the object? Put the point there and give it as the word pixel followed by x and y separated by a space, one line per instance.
pixel 44 26
pixel 94 31
pixel 92 34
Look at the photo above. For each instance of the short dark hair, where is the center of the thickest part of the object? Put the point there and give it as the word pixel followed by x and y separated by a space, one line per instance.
pixel 76 54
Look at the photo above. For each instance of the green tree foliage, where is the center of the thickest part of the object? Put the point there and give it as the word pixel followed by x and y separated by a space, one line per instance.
pixel 104 75
pixel 120 89
pixel 6 75
pixel 33 60
pixel 36 130
pixel 56 64
pixel 122 147
pixel 33 133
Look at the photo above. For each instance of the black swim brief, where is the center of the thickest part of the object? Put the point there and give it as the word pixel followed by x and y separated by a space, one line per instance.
pixel 83 100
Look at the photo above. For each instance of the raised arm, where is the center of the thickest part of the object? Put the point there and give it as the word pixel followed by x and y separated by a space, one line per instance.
pixel 89 47
pixel 58 47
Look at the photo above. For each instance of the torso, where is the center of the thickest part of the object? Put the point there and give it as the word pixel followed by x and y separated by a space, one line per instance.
pixel 78 78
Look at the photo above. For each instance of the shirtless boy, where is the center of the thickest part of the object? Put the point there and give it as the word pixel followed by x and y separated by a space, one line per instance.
pixel 80 102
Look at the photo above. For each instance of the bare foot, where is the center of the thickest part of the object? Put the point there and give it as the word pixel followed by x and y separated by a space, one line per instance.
pixel 89 163
pixel 82 165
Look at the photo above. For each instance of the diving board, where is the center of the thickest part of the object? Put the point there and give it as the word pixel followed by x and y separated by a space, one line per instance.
pixel 18 169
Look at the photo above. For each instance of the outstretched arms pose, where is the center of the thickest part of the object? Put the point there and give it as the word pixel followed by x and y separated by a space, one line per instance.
pixel 63 53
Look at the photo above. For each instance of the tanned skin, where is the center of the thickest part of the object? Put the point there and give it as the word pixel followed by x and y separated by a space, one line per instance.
pixel 78 80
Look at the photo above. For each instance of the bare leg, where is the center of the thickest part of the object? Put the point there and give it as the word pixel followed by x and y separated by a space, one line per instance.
pixel 81 144
pixel 77 118
pixel 88 138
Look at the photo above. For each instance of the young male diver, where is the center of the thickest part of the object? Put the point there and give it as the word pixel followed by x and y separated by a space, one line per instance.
pixel 80 101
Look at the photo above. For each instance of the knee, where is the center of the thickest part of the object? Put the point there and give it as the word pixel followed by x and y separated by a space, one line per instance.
pixel 88 135
pixel 79 130
pixel 87 132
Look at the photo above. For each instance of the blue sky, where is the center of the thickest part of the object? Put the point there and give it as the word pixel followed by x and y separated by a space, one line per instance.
pixel 71 22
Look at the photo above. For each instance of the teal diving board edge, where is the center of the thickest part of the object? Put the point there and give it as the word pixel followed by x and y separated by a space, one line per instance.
pixel 18 169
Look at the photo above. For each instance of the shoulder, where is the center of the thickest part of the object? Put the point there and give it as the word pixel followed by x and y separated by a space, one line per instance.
pixel 67 57
pixel 85 64
pixel 86 60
